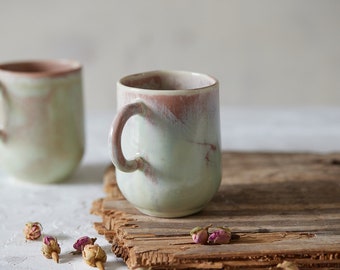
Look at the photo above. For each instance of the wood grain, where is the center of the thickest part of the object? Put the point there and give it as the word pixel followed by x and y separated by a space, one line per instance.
pixel 284 206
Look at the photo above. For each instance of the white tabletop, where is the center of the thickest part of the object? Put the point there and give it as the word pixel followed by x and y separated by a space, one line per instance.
pixel 63 209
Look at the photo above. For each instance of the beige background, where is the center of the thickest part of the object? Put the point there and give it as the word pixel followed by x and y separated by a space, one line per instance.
pixel 265 53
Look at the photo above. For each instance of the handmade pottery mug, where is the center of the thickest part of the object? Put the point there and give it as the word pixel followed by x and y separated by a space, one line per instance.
pixel 42 136
pixel 165 141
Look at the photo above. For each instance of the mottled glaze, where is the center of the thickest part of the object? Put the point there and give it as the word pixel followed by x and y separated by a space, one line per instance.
pixel 42 138
pixel 165 141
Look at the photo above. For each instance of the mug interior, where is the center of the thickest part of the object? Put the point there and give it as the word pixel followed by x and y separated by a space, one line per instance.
pixel 40 68
pixel 168 80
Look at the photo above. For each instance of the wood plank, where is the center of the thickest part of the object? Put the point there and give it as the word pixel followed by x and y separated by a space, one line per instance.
pixel 284 206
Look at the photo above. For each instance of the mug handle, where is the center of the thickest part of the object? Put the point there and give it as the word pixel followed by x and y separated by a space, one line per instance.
pixel 3 93
pixel 115 135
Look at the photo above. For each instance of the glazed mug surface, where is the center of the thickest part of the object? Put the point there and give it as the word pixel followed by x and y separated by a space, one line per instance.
pixel 165 141
pixel 42 134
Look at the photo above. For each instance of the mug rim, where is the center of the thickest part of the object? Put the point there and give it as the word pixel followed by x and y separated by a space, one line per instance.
pixel 40 68
pixel 122 82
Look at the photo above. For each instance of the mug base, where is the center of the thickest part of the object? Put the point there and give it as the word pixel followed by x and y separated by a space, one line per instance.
pixel 38 181
pixel 174 214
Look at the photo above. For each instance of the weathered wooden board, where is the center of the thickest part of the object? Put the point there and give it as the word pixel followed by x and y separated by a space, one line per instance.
pixel 284 206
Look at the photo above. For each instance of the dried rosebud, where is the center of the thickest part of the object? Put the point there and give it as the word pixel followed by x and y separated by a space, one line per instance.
pixel 32 230
pixel 200 235
pixel 82 242
pixel 286 265
pixel 51 248
pixel 94 256
pixel 220 236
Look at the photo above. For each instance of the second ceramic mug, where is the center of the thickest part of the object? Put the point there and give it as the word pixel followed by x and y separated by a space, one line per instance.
pixel 42 138
pixel 165 141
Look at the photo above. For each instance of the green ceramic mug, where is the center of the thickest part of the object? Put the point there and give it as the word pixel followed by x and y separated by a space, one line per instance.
pixel 165 141
pixel 42 133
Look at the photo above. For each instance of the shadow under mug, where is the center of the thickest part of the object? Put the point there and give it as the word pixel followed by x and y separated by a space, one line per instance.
pixel 165 141
pixel 42 134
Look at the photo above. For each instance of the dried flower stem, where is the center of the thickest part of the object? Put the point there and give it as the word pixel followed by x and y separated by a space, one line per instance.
pixel 100 265
pixel 55 256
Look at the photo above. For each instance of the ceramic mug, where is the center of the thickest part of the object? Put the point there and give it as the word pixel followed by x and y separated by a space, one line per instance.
pixel 42 136
pixel 165 141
